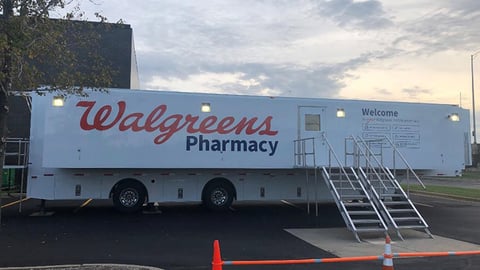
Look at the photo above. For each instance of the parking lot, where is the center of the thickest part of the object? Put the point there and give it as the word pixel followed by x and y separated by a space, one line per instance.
pixel 180 236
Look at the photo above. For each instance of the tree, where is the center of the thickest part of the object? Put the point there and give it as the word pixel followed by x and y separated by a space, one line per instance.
pixel 38 52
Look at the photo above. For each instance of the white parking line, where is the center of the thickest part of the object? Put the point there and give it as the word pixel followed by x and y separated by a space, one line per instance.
pixel 83 205
pixel 424 204
pixel 13 203
pixel 290 204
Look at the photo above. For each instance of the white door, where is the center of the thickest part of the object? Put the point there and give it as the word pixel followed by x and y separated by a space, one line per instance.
pixel 310 148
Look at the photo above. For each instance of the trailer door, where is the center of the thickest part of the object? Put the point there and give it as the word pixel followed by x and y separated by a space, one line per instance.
pixel 311 123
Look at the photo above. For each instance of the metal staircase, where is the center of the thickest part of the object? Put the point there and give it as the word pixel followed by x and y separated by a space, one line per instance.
pixel 352 199
pixel 355 204
pixel 16 157
pixel 395 206
pixel 16 153
pixel 366 192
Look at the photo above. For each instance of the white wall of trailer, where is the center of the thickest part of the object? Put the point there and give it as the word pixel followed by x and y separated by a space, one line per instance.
pixel 178 185
pixel 164 140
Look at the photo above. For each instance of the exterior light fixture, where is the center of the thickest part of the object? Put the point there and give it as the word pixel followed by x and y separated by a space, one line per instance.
pixel 206 107
pixel 340 113
pixel 454 117
pixel 58 101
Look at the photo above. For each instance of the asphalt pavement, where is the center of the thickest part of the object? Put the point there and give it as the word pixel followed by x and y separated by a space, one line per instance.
pixel 457 182
pixel 86 267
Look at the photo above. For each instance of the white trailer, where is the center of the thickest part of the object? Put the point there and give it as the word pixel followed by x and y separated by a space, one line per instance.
pixel 138 146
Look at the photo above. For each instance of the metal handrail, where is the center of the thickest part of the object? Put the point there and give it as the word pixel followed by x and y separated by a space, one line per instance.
pixel 331 151
pixel 344 209
pixel 409 168
pixel 369 162
pixel 302 153
pixel 20 154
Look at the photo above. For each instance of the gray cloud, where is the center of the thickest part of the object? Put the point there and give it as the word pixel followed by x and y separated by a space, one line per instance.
pixel 447 28
pixel 252 38
pixel 364 15
pixel 384 92
pixel 319 80
pixel 416 91
pixel 198 39
pixel 278 44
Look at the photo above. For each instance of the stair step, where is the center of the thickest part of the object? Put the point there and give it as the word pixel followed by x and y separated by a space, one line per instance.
pixel 394 203
pixel 370 229
pixel 366 221
pixel 347 188
pixel 408 210
pixel 413 227
pixel 395 195
pixel 406 219
pixel 343 181
pixel 386 182
pixel 349 204
pixel 352 196
pixel 351 212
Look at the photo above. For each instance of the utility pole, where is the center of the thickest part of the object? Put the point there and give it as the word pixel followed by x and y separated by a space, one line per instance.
pixel 473 100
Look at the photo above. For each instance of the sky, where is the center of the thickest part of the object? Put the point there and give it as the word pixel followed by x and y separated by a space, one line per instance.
pixel 409 50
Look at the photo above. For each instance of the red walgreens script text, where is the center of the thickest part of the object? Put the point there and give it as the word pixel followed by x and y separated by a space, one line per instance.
pixel 168 125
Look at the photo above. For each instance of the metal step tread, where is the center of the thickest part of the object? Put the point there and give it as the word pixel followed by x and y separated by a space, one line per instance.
pixel 383 195
pixel 353 196
pixel 371 229
pixel 361 212
pixel 404 210
pixel 343 178
pixel 344 181
pixel 417 218
pixel 359 204
pixel 14 166
pixel 357 221
pixel 393 203
pixel 412 226
pixel 348 188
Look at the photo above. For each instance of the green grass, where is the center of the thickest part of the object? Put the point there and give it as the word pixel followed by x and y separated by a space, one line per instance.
pixel 470 175
pixel 452 191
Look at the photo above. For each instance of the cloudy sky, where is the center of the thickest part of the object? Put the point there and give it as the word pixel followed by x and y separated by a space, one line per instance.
pixel 409 50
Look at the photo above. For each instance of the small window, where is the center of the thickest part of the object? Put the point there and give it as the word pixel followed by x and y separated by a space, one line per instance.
pixel 312 122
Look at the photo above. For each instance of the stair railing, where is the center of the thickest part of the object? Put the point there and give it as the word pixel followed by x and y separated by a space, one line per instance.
pixel 331 153
pixel 369 163
pixel 407 165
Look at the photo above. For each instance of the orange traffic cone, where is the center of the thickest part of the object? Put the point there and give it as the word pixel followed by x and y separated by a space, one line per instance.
pixel 388 255
pixel 217 257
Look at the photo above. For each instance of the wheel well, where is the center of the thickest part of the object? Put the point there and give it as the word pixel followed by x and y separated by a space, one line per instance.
pixel 128 181
pixel 221 180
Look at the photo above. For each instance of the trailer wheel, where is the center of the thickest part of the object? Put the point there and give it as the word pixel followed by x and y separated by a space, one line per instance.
pixel 128 197
pixel 218 195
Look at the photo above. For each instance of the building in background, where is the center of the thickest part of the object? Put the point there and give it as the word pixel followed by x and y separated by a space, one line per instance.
pixel 116 46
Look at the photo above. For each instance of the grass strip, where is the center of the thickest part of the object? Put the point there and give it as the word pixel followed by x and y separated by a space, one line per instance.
pixel 467 175
pixel 452 191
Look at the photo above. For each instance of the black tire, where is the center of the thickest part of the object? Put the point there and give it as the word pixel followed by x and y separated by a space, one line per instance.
pixel 129 197
pixel 218 196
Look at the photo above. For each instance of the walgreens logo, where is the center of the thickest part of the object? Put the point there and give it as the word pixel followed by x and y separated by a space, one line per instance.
pixel 166 125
